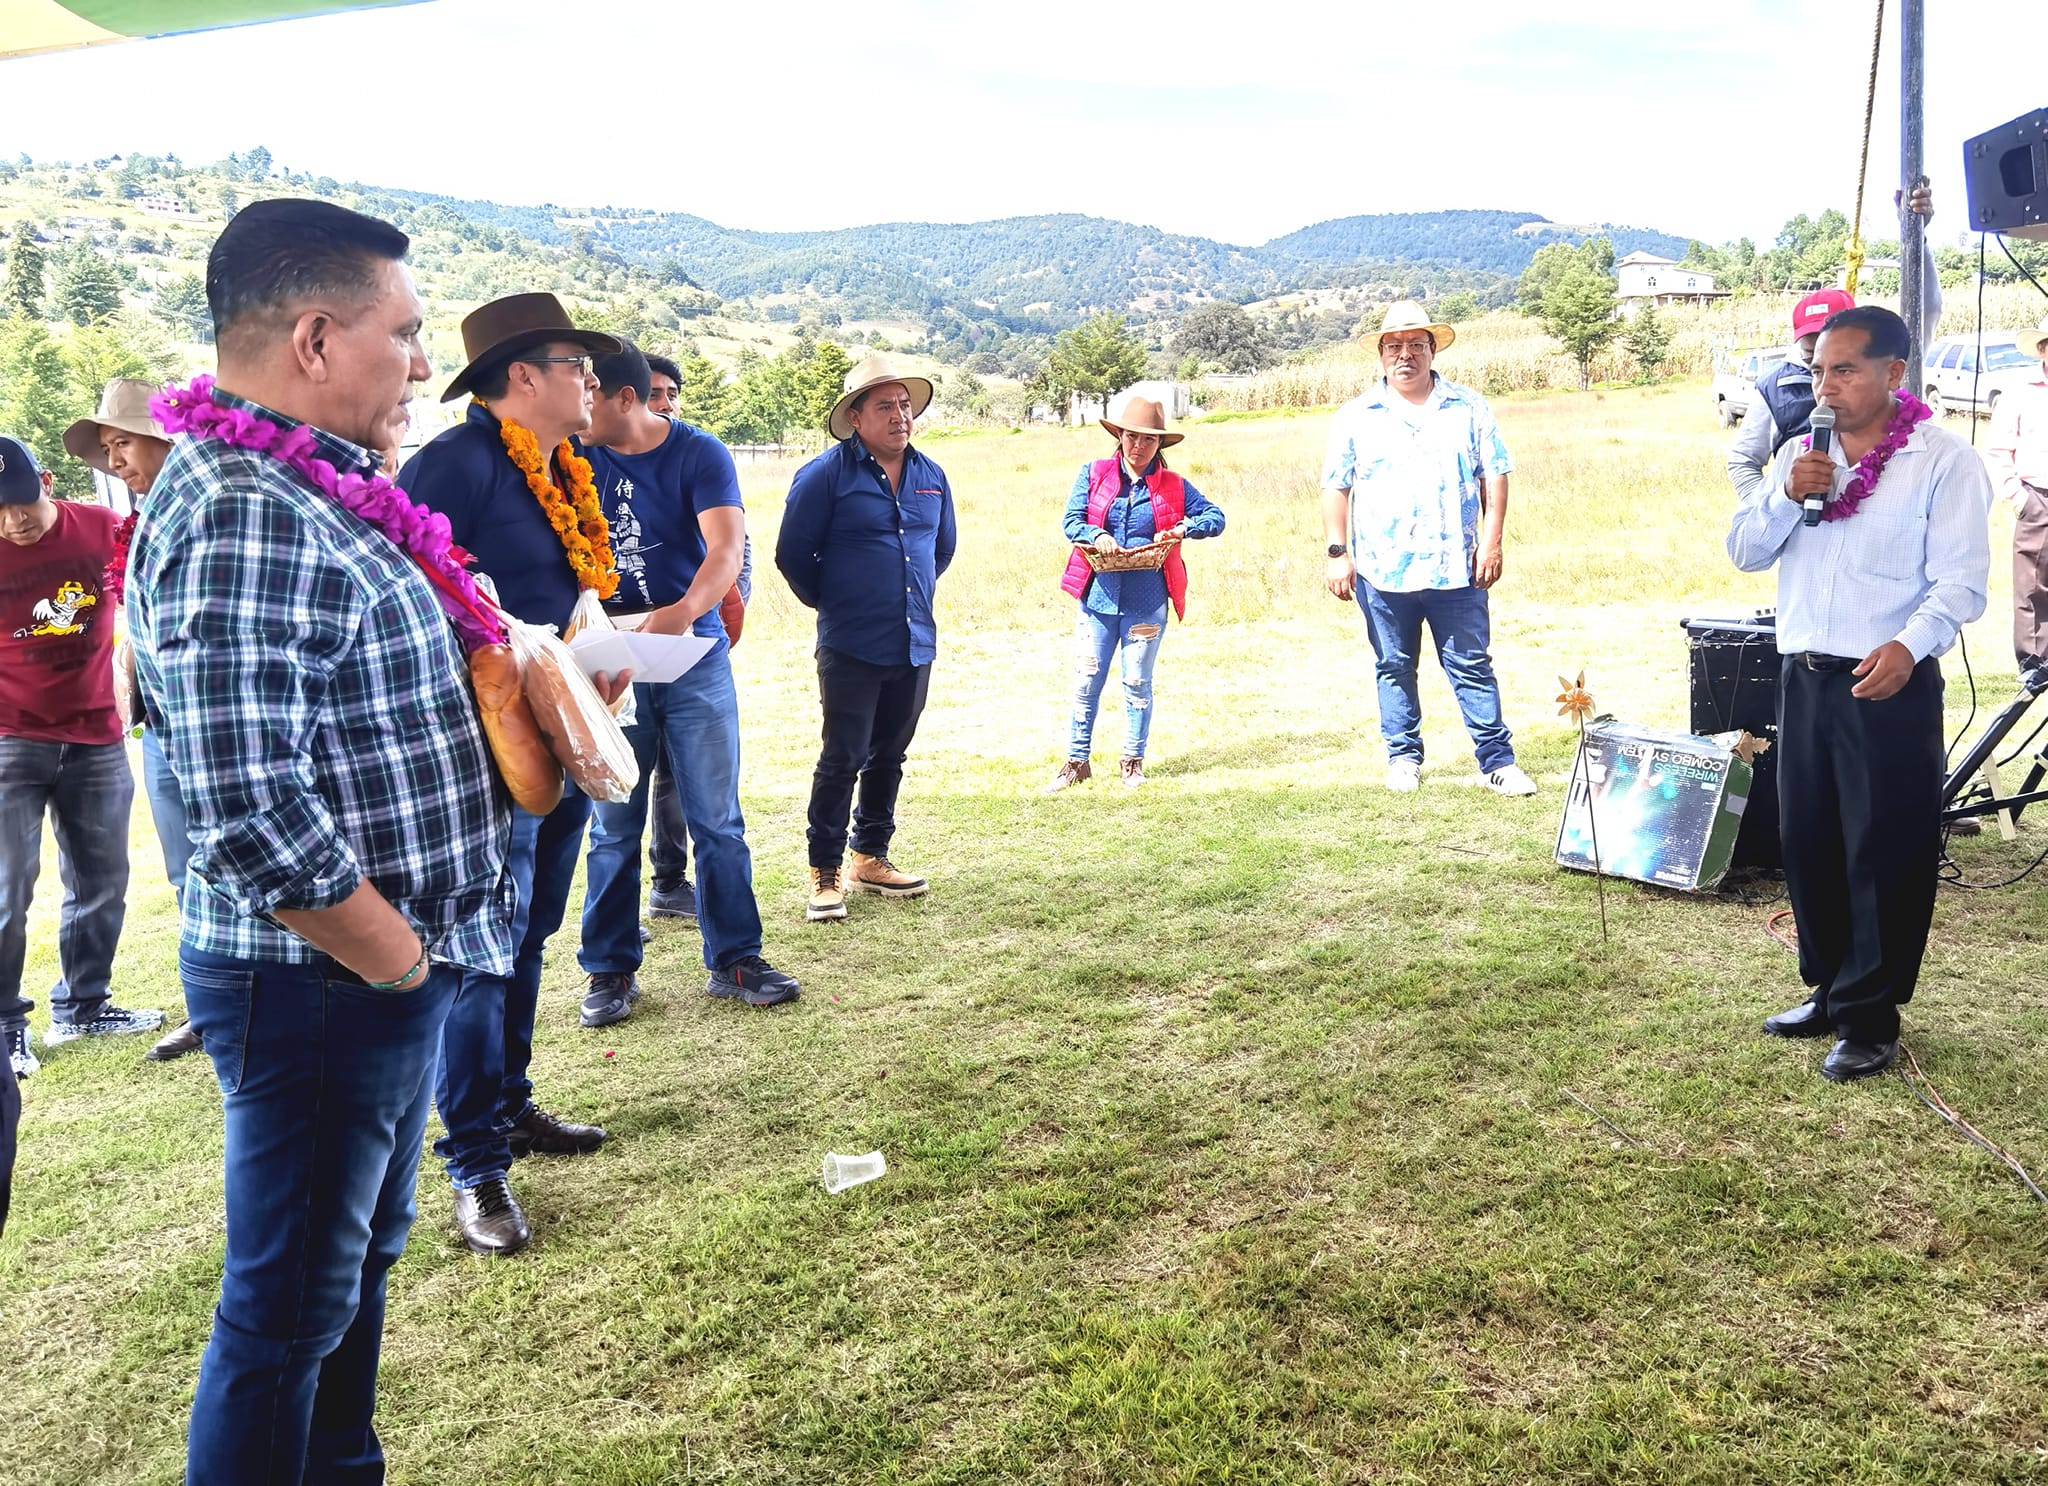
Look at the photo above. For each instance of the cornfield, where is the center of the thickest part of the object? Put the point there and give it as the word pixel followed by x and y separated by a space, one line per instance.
pixel 1508 352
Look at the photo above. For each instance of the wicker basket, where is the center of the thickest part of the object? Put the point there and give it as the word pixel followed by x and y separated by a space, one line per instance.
pixel 1146 559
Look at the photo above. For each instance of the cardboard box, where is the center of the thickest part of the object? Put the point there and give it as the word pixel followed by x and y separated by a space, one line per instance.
pixel 1667 805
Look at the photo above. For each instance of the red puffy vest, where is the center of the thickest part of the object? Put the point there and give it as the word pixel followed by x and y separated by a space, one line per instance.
pixel 1169 504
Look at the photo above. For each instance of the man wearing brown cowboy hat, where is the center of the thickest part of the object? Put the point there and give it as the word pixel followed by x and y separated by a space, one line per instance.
pixel 866 532
pixel 2016 451
pixel 529 378
pixel 124 441
pixel 1415 496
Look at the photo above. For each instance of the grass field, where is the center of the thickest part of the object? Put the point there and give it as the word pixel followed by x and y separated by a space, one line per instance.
pixel 1231 1124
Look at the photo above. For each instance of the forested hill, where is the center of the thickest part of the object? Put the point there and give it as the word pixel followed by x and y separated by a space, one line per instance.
pixel 1491 242
pixel 1041 272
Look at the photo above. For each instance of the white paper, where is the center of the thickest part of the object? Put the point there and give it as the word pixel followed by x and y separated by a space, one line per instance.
pixel 653 659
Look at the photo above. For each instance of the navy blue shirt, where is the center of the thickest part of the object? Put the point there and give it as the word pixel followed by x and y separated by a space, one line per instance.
pixel 652 501
pixel 866 557
pixel 467 476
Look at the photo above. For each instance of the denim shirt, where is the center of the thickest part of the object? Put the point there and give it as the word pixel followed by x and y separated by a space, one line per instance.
pixel 1129 521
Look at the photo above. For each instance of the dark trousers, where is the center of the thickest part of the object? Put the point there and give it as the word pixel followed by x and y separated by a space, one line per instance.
pixel 1859 800
pixel 871 715
pixel 10 1121
pixel 2030 580
pixel 668 835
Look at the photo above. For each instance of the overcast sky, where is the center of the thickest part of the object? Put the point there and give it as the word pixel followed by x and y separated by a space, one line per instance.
pixel 1239 121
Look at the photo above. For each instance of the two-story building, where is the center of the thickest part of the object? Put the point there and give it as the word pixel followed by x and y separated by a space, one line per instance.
pixel 1647 279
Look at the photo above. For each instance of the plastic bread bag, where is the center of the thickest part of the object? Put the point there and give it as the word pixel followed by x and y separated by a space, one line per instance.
pixel 525 761
pixel 572 717
pixel 589 614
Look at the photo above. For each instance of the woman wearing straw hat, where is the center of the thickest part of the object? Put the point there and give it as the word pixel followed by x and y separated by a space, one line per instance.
pixel 1128 502
pixel 124 441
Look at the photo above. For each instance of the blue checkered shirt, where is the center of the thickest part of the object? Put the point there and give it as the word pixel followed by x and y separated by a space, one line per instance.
pixel 315 706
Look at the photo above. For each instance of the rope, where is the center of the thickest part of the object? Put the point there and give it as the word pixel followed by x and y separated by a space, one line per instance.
pixel 1854 254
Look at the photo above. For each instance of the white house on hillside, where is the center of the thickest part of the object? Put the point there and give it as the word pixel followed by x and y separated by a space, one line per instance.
pixel 1648 279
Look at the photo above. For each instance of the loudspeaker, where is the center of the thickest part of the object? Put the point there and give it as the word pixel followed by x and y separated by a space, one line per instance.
pixel 2006 173
pixel 1735 666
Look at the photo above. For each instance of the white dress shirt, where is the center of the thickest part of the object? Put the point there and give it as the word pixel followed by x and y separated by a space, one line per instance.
pixel 1911 565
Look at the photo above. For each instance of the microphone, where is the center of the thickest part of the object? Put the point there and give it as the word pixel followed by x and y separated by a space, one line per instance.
pixel 1823 425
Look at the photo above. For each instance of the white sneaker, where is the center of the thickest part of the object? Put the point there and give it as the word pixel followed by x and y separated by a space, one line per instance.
pixel 111 1022
pixel 1404 775
pixel 1510 781
pixel 20 1052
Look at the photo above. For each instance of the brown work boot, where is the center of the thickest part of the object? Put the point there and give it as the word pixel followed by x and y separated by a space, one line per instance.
pixel 175 1044
pixel 876 875
pixel 828 895
pixel 1073 771
pixel 1133 771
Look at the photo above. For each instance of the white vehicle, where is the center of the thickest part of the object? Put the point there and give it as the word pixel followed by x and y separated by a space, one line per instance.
pixel 1735 373
pixel 1961 379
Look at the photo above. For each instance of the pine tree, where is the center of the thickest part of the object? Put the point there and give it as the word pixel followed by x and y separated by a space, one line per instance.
pixel 24 290
pixel 88 286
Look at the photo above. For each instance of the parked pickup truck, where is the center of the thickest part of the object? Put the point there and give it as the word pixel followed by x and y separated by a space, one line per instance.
pixel 1735 372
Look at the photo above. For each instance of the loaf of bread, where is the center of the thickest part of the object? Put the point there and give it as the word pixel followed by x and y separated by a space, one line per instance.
pixel 573 718
pixel 525 762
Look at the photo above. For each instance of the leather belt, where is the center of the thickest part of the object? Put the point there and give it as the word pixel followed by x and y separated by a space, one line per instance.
pixel 1813 660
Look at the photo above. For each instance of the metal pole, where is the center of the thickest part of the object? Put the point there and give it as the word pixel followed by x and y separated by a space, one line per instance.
pixel 1912 140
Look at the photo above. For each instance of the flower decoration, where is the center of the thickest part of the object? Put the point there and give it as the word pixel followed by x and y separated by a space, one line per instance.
pixel 424 534
pixel 114 580
pixel 1870 468
pixel 1574 700
pixel 577 516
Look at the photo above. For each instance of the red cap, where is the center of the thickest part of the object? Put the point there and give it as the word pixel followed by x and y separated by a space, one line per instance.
pixel 1812 312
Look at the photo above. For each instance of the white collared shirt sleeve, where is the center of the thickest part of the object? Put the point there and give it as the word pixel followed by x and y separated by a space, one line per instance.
pixel 1749 456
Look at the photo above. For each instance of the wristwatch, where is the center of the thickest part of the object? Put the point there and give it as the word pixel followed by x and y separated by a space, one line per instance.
pixel 1336 549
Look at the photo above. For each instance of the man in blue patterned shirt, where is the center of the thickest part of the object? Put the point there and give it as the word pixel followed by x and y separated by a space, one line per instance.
pixel 348 835
pixel 1415 499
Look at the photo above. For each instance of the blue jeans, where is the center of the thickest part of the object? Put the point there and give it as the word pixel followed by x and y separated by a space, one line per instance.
pixel 1460 629
pixel 326 1085
pixel 697 719
pixel 482 1089
pixel 167 810
pixel 87 790
pixel 1096 638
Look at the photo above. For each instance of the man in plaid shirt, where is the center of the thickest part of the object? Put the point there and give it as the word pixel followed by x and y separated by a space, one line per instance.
pixel 349 837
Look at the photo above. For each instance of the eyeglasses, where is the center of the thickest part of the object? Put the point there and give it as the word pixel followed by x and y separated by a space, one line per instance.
pixel 581 363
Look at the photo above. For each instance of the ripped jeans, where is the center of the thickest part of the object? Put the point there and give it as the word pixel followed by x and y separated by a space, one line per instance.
pixel 1096 638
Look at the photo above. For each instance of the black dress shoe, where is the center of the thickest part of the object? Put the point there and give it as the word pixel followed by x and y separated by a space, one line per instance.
pixel 491 1219
pixel 175 1044
pixel 540 1133
pixel 1858 1060
pixel 1804 1020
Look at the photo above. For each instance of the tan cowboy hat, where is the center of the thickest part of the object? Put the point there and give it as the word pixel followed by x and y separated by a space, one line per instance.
pixel 494 333
pixel 1142 415
pixel 2035 342
pixel 124 404
pixel 1406 314
pixel 874 372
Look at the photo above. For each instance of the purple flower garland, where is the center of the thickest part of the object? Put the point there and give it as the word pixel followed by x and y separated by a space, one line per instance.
pixel 421 532
pixel 1909 413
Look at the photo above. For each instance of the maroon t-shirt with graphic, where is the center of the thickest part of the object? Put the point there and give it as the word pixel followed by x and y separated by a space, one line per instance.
pixel 57 632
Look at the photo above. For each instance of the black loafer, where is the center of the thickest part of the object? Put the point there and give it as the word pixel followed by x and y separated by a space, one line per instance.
pixel 610 998
pixel 1804 1020
pixel 491 1219
pixel 1858 1060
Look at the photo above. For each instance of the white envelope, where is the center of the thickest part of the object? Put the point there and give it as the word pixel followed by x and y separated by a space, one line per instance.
pixel 653 659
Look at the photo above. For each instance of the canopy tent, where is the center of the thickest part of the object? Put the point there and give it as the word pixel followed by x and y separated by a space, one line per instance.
pixel 54 25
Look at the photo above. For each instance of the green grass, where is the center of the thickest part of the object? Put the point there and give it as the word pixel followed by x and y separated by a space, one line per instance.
pixel 1227 1124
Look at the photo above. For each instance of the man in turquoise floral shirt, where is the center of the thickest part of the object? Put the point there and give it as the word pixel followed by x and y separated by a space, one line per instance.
pixel 1415 496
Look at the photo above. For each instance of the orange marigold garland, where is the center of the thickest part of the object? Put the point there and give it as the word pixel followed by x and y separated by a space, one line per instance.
pixel 577 517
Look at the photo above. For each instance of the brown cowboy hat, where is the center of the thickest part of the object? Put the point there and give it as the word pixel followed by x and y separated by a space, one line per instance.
pixel 124 404
pixel 1406 314
pixel 495 333
pixel 1142 415
pixel 874 372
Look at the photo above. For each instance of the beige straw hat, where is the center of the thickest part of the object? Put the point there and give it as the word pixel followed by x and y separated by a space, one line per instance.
pixel 124 405
pixel 1142 415
pixel 874 372
pixel 1406 314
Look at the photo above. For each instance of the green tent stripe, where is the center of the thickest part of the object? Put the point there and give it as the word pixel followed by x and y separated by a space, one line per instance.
pixel 169 17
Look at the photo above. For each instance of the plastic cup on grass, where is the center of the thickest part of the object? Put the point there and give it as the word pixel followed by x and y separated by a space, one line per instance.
pixel 842 1172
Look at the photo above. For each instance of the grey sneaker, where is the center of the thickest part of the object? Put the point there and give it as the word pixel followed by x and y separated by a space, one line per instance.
pixel 754 981
pixel 20 1051
pixel 112 1021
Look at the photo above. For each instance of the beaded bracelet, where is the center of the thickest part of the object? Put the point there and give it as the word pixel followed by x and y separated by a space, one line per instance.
pixel 392 985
